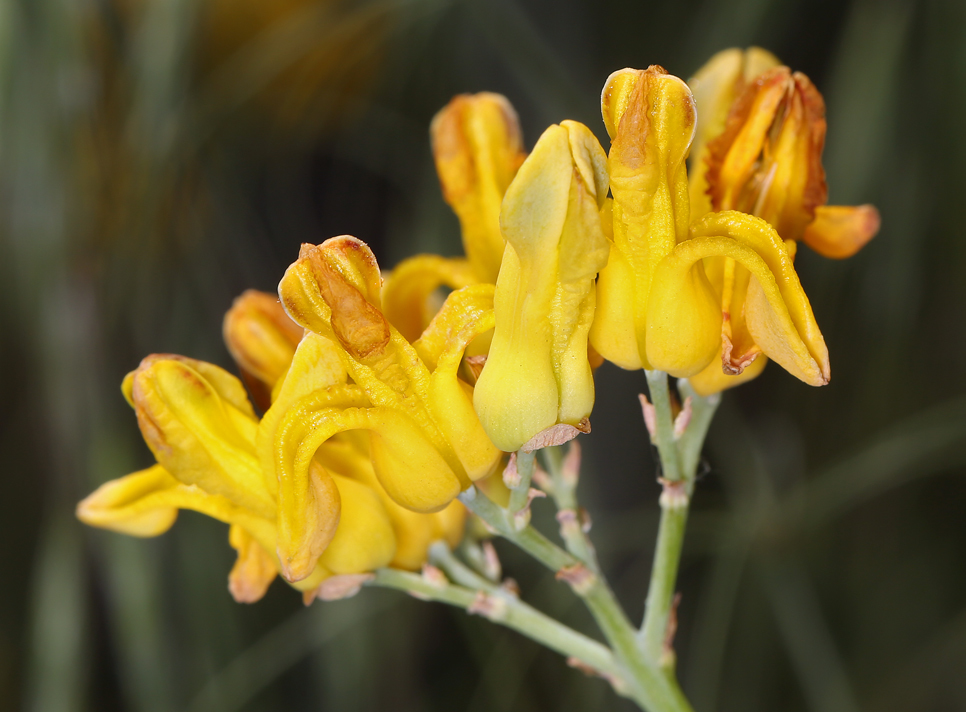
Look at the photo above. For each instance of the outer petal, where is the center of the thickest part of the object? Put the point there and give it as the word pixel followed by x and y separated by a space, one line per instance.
pixel 254 570
pixel 197 435
pixel 145 503
pixel 225 384
pixel 768 159
pixel 840 231
pixel 334 290
pixel 407 291
pixel 262 340
pixel 651 118
pixel 477 147
pixel 138 504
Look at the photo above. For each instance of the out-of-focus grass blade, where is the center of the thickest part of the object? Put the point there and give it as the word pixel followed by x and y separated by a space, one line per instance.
pixel 860 96
pixel 715 610
pixel 914 684
pixel 267 659
pixel 57 666
pixel 923 445
pixel 808 640
pixel 544 75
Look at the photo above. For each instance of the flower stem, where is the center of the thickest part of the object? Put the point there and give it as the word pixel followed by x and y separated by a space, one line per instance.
pixel 652 690
pixel 679 462
pixel 563 489
pixel 502 607
pixel 519 493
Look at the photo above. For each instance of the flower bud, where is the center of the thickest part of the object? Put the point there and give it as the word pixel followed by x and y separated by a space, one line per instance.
pixel 261 338
pixel 537 373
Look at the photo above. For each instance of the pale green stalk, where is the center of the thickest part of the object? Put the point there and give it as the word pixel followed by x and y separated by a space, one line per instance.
pixel 520 492
pixel 679 462
pixel 649 687
pixel 502 607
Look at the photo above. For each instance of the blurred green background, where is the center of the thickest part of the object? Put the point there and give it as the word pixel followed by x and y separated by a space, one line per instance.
pixel 157 157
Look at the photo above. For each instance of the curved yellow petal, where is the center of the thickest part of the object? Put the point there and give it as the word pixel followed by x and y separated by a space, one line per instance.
pixel 197 435
pixel 461 305
pixel 684 316
pixel 308 499
pixel 377 357
pixel 650 116
pixel 408 288
pixel 347 454
pixel 477 148
pixel 229 388
pixel 261 338
pixel 778 314
pixel 364 540
pixel 839 231
pixel 316 366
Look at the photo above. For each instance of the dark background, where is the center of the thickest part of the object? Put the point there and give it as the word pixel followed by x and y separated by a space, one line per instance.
pixel 157 157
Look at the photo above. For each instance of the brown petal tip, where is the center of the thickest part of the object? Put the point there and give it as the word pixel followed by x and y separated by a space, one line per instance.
pixel 337 587
pixel 556 435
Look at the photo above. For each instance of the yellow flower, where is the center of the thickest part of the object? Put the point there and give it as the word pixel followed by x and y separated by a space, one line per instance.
pixel 198 422
pixel 477 147
pixel 650 118
pixel 656 307
pixel 760 139
pixel 316 366
pixel 537 373
pixel 426 443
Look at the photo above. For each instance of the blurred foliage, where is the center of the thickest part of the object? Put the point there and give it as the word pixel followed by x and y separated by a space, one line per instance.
pixel 157 157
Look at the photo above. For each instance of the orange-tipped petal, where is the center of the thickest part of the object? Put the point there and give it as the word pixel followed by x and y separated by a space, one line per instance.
pixel 839 231
pixel 478 148
pixel 260 336
pixel 254 569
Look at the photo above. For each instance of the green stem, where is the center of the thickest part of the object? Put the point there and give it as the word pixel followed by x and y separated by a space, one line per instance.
pixel 680 458
pixel 520 493
pixel 563 490
pixel 664 426
pixel 660 592
pixel 652 690
pixel 507 610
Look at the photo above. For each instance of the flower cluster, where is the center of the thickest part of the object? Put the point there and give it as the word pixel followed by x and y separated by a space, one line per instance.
pixel 382 402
